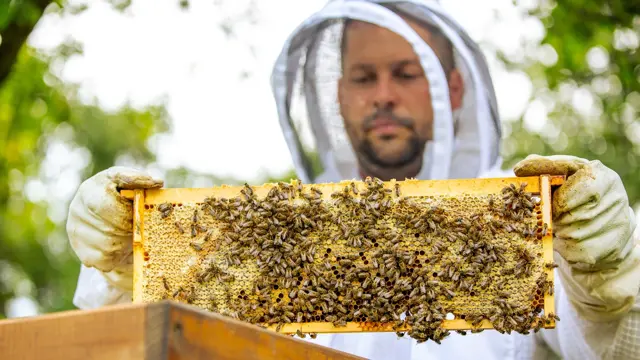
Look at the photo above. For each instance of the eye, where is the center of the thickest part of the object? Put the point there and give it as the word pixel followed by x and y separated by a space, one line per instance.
pixel 408 72
pixel 363 79
pixel 407 75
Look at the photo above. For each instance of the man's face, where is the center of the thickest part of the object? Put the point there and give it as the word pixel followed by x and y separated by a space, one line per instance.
pixel 384 96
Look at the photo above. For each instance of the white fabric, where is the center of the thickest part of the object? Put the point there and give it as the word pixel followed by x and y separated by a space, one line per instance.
pixel 94 290
pixel 304 83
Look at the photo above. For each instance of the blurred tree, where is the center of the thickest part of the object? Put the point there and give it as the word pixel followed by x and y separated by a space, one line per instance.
pixel 49 142
pixel 17 20
pixel 586 79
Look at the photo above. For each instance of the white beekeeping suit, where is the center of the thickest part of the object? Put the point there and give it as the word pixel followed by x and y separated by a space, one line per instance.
pixel 599 274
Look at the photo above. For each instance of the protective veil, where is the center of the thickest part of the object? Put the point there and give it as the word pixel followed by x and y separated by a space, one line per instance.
pixel 305 80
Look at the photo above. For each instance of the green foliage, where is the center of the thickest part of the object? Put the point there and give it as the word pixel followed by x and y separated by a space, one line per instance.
pixel 592 104
pixel 8 10
pixel 39 118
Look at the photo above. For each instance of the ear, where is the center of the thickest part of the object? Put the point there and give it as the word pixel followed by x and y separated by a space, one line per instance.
pixel 456 89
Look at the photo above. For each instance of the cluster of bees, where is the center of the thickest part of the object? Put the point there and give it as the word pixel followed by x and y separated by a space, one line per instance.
pixel 367 254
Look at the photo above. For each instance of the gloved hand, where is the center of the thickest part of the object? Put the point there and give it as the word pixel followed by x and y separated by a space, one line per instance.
pixel 593 231
pixel 100 230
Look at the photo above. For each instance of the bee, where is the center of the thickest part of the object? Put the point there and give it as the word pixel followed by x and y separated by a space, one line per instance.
pixel 213 305
pixel 345 262
pixel 526 202
pixel 366 283
pixel 165 284
pixel 201 228
pixel 551 265
pixel 190 295
pixel 538 326
pixel 339 323
pixel 247 191
pixel 522 187
pixel 450 294
pixel 397 189
pixel 179 226
pixel 324 283
pixel 549 286
pixel 165 209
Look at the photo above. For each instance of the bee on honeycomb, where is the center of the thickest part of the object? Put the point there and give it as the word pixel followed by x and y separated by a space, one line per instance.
pixel 359 252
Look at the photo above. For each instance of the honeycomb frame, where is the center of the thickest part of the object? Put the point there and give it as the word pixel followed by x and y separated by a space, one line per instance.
pixel 146 202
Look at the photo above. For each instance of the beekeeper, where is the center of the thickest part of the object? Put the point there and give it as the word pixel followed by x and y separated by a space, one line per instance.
pixel 399 90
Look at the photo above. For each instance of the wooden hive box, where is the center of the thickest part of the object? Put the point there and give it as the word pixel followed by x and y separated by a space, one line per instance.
pixel 223 249
pixel 159 331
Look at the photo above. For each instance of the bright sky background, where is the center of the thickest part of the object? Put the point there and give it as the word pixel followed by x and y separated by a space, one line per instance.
pixel 156 50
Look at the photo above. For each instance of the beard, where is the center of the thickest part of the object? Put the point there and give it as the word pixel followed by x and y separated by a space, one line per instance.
pixel 412 151
pixel 410 154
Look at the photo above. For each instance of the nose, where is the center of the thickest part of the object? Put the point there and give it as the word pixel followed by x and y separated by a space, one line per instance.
pixel 386 96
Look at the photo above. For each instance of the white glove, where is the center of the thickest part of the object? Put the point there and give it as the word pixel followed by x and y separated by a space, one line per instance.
pixel 593 231
pixel 99 227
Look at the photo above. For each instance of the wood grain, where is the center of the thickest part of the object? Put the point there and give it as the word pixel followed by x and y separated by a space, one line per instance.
pixel 194 337
pixel 164 330
pixel 105 334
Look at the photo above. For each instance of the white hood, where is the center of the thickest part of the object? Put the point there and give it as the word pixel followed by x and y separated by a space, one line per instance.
pixel 305 80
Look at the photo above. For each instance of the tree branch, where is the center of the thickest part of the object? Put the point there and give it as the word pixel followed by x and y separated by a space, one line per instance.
pixel 14 36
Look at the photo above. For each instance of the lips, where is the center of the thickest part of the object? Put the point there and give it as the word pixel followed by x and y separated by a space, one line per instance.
pixel 385 122
pixel 384 126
